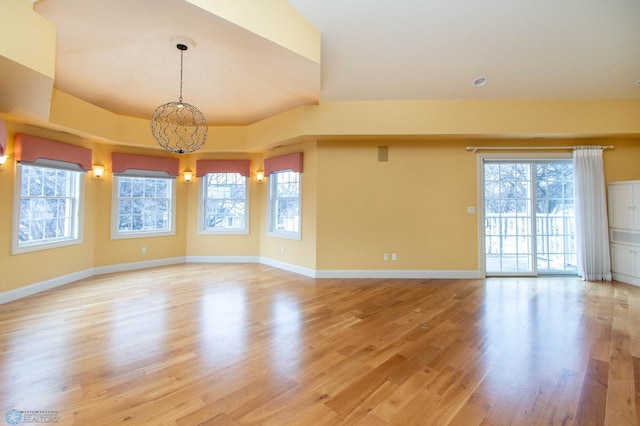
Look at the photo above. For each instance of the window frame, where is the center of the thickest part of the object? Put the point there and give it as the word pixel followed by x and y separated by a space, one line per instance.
pixel 77 214
pixel 115 208
pixel 202 214
pixel 271 217
pixel 481 158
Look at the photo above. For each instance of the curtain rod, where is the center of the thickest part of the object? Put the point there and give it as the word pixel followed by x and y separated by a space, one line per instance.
pixel 529 148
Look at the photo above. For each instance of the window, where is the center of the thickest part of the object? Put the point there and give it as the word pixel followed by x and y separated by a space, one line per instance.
pixel 47 214
pixel 143 207
pixel 284 204
pixel 224 203
pixel 529 216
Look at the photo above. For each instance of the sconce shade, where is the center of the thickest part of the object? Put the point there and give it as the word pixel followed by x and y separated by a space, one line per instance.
pixel 98 171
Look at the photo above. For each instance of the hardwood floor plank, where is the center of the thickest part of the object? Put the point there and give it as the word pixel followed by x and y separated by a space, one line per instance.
pixel 200 344
pixel 593 394
pixel 636 383
pixel 396 402
pixel 621 408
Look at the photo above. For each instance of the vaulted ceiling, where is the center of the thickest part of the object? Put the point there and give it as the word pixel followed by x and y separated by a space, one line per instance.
pixel 120 54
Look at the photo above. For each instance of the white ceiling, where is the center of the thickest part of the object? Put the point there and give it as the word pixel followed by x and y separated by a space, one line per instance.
pixel 118 54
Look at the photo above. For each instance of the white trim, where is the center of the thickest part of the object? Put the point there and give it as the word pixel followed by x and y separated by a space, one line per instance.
pixel 626 279
pixel 297 269
pixel 482 265
pixel 29 290
pixel 288 235
pixel 480 160
pixel 122 267
pixel 77 234
pixel 115 234
pixel 202 200
pixel 32 289
pixel 223 259
pixel 399 273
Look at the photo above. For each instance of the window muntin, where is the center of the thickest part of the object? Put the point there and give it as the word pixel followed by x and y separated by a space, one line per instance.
pixel 47 213
pixel 225 204
pixel 284 204
pixel 143 207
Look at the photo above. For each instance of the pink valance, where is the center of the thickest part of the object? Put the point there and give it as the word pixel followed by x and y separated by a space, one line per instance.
pixel 121 162
pixel 3 138
pixel 31 148
pixel 291 162
pixel 223 166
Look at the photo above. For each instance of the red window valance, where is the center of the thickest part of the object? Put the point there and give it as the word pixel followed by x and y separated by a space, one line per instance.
pixel 291 162
pixel 123 162
pixel 223 166
pixel 31 148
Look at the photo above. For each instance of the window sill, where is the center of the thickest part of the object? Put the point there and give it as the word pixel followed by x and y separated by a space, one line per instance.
pixel 29 248
pixel 285 235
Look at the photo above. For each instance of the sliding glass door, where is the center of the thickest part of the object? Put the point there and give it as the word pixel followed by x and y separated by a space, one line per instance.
pixel 529 221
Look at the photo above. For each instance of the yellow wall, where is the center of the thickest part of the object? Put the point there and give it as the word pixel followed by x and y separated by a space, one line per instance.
pixel 623 162
pixel 354 208
pixel 296 252
pixel 34 267
pixel 414 205
pixel 28 38
pixel 225 245
pixel 275 20
pixel 122 251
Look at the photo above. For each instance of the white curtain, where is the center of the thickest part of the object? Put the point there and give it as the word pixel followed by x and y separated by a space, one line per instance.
pixel 592 232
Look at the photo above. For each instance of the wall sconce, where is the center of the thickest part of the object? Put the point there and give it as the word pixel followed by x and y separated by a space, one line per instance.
pixel 260 176
pixel 187 175
pixel 3 159
pixel 98 171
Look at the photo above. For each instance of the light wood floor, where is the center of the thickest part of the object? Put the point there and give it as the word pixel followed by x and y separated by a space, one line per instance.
pixel 248 344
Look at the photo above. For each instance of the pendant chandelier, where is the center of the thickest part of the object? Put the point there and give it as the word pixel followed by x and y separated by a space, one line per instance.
pixel 178 126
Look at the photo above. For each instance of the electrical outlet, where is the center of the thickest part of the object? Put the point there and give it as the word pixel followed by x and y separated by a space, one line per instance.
pixel 282 250
pixel 386 256
pixel 144 249
pixel 394 256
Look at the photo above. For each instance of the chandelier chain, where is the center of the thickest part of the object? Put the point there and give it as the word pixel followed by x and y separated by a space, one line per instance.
pixel 179 127
pixel 181 60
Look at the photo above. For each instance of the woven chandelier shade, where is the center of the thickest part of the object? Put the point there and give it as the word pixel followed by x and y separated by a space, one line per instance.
pixel 179 127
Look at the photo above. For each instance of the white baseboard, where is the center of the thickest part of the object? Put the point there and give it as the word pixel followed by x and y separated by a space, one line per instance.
pixel 394 273
pixel 99 270
pixel 626 279
pixel 29 290
pixel 297 269
pixel 223 259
